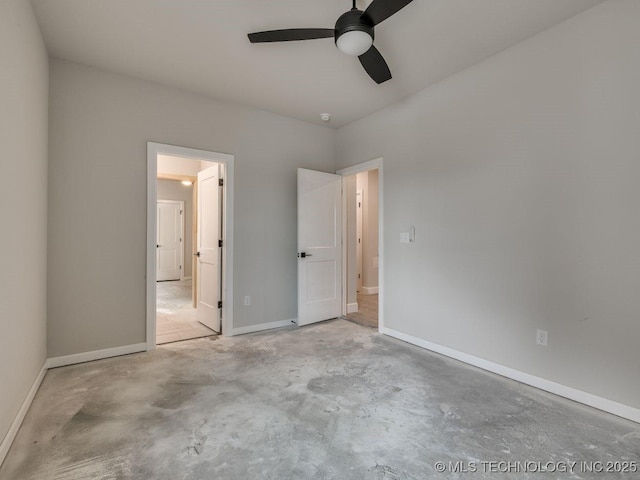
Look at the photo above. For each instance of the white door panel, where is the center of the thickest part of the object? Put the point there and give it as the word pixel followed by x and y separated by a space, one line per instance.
pixel 169 240
pixel 209 234
pixel 318 290
pixel 319 246
pixel 209 285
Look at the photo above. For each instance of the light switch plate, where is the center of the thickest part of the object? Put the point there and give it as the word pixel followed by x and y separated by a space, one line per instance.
pixel 404 237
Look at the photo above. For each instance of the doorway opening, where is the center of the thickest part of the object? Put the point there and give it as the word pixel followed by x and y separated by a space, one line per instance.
pixel 176 242
pixel 189 255
pixel 327 285
pixel 362 240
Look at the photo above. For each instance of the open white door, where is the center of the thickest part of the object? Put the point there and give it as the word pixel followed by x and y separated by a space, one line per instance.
pixel 319 246
pixel 169 240
pixel 208 251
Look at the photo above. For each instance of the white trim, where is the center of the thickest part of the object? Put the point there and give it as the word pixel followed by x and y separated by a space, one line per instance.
pixel 360 207
pixel 188 278
pixel 604 404
pixel 24 408
pixel 345 248
pixel 361 167
pixel 65 360
pixel 152 195
pixel 182 232
pixel 264 326
pixel 374 164
pixel 369 290
pixel 352 307
pixel 153 149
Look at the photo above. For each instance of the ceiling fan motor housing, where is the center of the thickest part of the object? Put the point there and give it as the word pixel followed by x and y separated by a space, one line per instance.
pixel 353 20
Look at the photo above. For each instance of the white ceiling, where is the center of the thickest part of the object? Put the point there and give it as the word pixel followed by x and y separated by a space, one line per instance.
pixel 202 46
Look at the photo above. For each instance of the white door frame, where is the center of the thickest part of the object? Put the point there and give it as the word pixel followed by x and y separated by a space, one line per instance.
pixel 359 244
pixel 181 204
pixel 153 149
pixel 363 167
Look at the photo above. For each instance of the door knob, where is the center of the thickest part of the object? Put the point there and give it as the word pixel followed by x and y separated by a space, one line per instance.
pixel 157 246
pixel 304 255
pixel 197 254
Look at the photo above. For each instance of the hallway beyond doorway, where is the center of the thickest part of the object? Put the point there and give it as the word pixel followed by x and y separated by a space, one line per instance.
pixel 175 316
pixel 367 314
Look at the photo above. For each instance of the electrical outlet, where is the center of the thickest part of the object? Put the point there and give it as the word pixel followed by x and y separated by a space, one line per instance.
pixel 247 301
pixel 542 337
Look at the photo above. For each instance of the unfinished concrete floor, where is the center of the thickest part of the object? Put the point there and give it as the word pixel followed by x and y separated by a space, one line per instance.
pixel 327 401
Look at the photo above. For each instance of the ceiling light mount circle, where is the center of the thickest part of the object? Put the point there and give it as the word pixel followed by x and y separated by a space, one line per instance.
pixel 354 33
pixel 325 117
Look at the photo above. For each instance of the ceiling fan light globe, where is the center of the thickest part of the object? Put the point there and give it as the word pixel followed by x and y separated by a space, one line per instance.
pixel 354 43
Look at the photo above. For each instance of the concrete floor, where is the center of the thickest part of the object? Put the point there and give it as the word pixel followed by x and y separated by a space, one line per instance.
pixel 328 401
pixel 176 319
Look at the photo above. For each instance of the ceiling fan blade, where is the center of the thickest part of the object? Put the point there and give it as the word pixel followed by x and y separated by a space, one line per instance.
pixel 291 34
pixel 380 10
pixel 375 65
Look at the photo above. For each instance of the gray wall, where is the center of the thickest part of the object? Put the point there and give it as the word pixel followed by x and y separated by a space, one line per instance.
pixel 100 123
pixel 173 190
pixel 520 175
pixel 23 205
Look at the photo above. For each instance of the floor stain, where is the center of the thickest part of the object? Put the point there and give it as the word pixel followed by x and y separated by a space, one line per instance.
pixel 324 402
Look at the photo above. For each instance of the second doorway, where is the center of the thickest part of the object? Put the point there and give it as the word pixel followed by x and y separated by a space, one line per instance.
pixel 362 255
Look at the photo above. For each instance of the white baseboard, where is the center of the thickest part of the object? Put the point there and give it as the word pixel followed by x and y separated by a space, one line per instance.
pixel 604 404
pixel 263 326
pixel 352 307
pixel 95 355
pixel 24 408
pixel 370 290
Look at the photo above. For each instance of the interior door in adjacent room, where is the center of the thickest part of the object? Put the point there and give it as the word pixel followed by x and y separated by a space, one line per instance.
pixel 169 237
pixel 319 246
pixel 209 248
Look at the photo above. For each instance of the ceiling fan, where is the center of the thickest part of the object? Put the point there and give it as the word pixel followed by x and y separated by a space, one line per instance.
pixel 353 34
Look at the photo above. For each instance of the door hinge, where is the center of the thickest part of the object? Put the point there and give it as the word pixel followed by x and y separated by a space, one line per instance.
pixel 220 304
pixel 220 182
pixel 219 243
